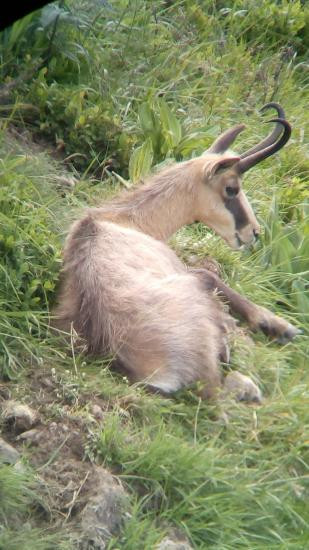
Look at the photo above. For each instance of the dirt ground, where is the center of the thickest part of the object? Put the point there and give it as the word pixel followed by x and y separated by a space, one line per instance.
pixel 54 439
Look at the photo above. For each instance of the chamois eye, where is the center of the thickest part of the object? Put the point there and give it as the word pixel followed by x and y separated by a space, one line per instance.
pixel 231 191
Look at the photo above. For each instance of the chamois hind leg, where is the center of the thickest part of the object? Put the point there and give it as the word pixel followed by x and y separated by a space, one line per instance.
pixel 257 317
pixel 166 381
pixel 166 371
pixel 169 380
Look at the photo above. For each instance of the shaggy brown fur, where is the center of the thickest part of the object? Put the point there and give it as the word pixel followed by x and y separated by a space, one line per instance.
pixel 126 292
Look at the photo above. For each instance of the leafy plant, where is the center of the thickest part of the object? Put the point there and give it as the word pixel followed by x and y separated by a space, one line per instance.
pixel 30 260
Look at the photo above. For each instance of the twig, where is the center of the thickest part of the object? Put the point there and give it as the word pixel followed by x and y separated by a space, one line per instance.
pixel 75 496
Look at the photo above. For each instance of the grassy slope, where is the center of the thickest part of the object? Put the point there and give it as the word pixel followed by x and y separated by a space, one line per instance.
pixel 236 486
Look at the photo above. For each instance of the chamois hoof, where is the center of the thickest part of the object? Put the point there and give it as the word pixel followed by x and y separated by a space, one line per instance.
pixel 277 328
pixel 241 388
pixel 289 334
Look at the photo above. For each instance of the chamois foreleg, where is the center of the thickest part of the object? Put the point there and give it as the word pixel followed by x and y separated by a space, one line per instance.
pixel 257 317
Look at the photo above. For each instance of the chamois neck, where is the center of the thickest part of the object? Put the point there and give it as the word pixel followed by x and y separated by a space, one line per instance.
pixel 159 207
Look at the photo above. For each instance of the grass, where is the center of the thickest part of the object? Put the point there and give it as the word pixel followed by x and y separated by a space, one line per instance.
pixel 108 107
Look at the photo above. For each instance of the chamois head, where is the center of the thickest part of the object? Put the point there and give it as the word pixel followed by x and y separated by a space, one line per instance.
pixel 220 201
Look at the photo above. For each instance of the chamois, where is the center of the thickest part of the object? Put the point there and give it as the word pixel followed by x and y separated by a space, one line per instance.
pixel 125 292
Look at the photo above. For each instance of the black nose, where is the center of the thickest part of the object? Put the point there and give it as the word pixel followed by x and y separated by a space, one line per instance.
pixel 256 234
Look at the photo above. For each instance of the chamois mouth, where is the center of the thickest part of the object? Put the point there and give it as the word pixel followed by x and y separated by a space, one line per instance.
pixel 240 243
pixel 236 243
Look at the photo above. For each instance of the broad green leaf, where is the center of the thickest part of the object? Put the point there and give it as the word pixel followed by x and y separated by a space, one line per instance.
pixel 19 28
pixel 170 125
pixel 302 298
pixel 197 141
pixel 146 118
pixel 151 125
pixel 141 161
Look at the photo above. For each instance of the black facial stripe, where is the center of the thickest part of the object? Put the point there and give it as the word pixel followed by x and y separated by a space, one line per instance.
pixel 238 211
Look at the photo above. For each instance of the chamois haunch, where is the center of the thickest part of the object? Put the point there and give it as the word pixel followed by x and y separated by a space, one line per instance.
pixel 125 292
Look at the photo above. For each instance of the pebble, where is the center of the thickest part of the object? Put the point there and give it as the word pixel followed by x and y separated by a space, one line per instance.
pixel 97 412
pixel 8 455
pixel 19 416
pixel 31 436
pixel 170 544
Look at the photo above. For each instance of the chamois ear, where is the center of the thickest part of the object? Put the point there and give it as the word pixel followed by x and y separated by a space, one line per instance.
pixel 213 168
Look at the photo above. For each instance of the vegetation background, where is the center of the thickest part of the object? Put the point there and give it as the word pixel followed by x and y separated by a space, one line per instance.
pixel 94 94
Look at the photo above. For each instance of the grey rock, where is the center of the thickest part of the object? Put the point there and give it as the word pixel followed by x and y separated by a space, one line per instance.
pixel 30 436
pixel 19 416
pixel 20 467
pixel 4 392
pixel 170 544
pixel 65 181
pixel 97 412
pixel 105 511
pixel 8 454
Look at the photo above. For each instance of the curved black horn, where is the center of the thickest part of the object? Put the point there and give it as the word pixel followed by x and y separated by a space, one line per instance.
pixel 223 142
pixel 273 136
pixel 249 161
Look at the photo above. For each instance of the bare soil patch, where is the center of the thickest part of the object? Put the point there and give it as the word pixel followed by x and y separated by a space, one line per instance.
pixel 76 494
